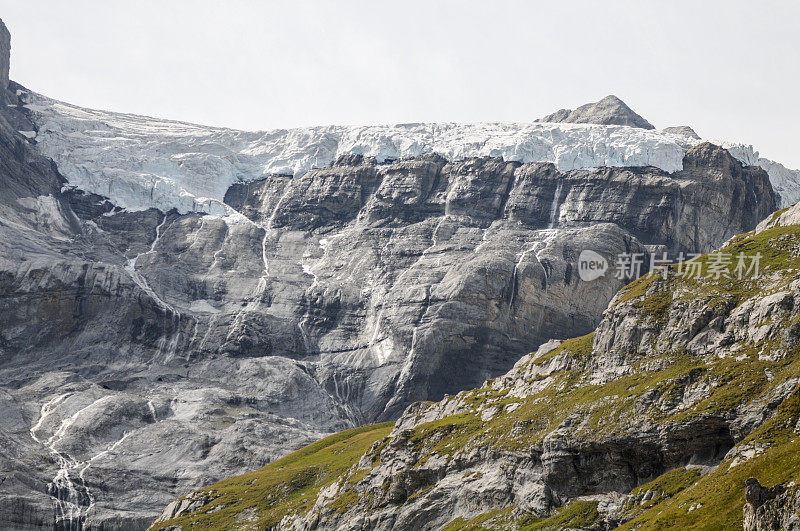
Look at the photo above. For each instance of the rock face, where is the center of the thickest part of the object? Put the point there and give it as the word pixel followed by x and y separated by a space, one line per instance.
pixel 687 387
pixel 145 352
pixel 770 508
pixel 609 111
pixel 784 180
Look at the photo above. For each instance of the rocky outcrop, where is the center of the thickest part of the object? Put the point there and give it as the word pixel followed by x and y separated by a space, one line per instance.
pixel 785 181
pixel 328 300
pixel 322 301
pixel 608 111
pixel 781 218
pixel 771 508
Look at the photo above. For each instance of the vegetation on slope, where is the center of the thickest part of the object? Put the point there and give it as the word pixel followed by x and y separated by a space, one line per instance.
pixel 581 514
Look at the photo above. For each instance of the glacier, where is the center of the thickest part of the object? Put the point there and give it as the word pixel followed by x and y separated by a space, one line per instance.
pixel 140 162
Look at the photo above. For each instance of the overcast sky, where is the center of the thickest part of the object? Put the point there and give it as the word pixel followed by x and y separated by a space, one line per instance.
pixel 729 69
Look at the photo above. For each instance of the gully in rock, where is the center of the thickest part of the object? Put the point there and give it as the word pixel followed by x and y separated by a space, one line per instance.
pixel 73 498
pixel 555 206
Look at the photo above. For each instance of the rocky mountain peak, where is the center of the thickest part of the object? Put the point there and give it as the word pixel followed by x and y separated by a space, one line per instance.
pixel 5 54
pixel 684 130
pixel 608 111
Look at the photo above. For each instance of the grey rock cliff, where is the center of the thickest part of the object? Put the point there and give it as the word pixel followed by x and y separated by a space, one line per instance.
pixel 608 111
pixel 338 299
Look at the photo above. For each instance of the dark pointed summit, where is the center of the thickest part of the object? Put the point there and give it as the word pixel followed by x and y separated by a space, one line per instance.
pixel 609 111
pixel 5 55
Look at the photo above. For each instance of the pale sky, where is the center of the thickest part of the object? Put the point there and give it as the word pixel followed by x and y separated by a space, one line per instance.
pixel 730 69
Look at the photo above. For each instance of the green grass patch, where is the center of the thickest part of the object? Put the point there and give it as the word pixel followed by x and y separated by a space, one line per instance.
pixel 650 294
pixel 778 250
pixel 579 347
pixel 670 483
pixel 662 488
pixel 446 436
pixel 576 515
pixel 497 519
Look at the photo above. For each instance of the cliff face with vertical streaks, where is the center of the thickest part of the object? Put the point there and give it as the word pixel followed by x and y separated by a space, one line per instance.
pixel 667 416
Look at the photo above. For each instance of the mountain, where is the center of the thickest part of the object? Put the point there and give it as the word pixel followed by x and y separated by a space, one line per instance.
pixel 182 303
pixel 665 416
pixel 609 111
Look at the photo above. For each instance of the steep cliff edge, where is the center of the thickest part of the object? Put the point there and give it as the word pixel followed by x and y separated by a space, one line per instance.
pixel 688 387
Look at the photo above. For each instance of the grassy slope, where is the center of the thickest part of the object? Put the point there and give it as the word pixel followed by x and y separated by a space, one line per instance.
pixel 576 515
pixel 289 485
